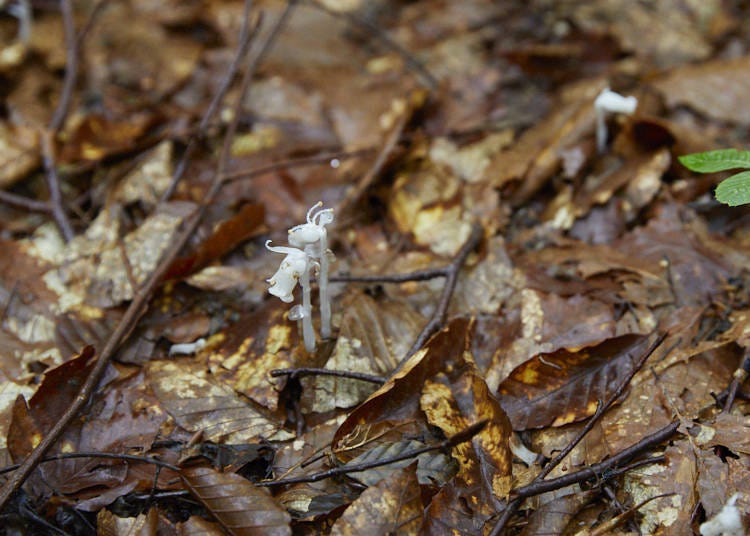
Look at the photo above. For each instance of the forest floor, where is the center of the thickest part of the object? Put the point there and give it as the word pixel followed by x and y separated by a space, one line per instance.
pixel 541 319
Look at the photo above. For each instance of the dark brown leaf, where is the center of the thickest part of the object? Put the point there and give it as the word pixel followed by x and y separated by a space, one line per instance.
pixel 241 508
pixel 60 386
pixel 392 506
pixel 226 236
pixel 564 386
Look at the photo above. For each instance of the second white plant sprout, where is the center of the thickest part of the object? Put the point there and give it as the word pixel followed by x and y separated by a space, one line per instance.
pixel 309 252
pixel 610 102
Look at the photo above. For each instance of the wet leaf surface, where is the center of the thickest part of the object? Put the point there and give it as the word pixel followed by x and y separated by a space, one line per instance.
pixel 564 386
pixel 419 122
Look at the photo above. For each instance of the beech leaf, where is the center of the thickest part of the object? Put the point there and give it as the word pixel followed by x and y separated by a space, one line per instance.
pixel 240 507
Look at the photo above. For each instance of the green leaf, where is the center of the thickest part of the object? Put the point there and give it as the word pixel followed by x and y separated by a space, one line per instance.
pixel 735 190
pixel 712 161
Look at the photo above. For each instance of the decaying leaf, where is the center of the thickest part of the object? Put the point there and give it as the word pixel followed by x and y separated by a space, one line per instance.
pixel 373 338
pixel 240 507
pixel 564 386
pixel 393 506
pixel 715 88
pixel 199 403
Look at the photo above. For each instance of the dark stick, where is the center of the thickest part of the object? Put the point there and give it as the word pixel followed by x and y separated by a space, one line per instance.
pixel 19 201
pixel 133 313
pixel 57 122
pixel 452 270
pixel 391 142
pixel 451 442
pixel 417 275
pixel 305 371
pixel 738 378
pixel 107 455
pixel 543 486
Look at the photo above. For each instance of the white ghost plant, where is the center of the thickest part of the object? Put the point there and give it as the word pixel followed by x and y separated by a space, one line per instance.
pixel 309 251
pixel 610 102
pixel 313 238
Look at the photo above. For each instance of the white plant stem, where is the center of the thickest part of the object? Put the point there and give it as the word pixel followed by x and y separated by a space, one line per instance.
pixel 308 332
pixel 325 300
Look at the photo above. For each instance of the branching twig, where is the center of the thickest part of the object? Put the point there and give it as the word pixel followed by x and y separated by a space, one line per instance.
pixel 451 277
pixel 355 193
pixel 19 201
pixel 609 526
pixel 451 442
pixel 133 313
pixel 58 120
pixel 307 371
pixel 596 470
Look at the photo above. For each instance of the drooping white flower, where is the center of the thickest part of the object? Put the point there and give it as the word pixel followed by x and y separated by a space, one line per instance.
pixel 295 264
pixel 309 252
pixel 313 238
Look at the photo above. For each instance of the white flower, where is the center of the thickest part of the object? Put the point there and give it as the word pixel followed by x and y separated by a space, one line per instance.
pixel 313 233
pixel 295 264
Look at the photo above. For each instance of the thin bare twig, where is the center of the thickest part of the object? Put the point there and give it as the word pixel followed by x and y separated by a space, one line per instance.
pixel 596 470
pixel 22 202
pixel 449 443
pixel 428 79
pixel 309 371
pixel 355 193
pixel 738 378
pixel 453 269
pixel 246 34
pixel 47 138
pixel 417 275
pixel 609 526
pixel 106 455
pixel 133 313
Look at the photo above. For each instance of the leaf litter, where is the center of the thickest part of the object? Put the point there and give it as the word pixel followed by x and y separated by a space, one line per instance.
pixel 422 122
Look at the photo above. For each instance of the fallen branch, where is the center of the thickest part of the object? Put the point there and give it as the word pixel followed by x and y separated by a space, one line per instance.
pixel 309 371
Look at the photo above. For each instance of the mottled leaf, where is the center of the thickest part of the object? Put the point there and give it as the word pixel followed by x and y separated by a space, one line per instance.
pixel 564 386
pixel 227 235
pixel 398 399
pixel 32 420
pixel 373 337
pixel 393 506
pixel 198 403
pixel 240 507
pixel 453 401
